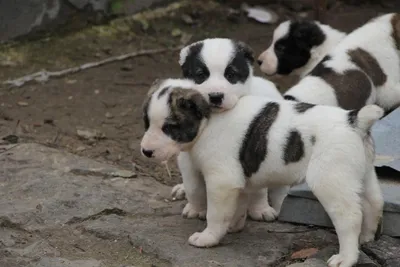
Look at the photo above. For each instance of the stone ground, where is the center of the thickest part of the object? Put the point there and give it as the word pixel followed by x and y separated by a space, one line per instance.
pixel 67 199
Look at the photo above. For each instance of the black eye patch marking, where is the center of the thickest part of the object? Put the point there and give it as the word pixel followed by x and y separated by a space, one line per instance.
pixel 146 120
pixel 293 49
pixel 194 68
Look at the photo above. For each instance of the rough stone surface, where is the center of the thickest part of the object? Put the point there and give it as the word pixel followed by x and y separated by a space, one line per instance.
pixel 386 251
pixel 310 263
pixel 60 262
pixel 20 17
pixel 49 197
pixel 326 253
pixel 301 206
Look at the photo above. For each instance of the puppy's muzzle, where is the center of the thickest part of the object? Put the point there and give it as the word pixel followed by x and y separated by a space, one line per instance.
pixel 147 153
pixel 216 98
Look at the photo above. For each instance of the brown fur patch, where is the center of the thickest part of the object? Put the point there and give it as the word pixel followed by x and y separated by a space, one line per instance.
pixel 369 65
pixel 396 29
pixel 352 88
pixel 188 109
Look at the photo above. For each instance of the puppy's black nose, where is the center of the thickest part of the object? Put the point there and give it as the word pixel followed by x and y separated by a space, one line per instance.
pixel 259 62
pixel 147 153
pixel 216 98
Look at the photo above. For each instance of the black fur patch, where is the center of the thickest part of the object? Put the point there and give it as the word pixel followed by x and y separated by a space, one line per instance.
pixel 238 69
pixel 352 87
pixel 145 109
pixel 188 108
pixel 163 91
pixel 289 97
pixel 352 117
pixel 294 148
pixel 293 50
pixel 313 139
pixel 194 68
pixel 302 107
pixel 255 143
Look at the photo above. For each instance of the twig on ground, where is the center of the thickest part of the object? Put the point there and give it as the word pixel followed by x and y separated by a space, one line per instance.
pixel 44 75
pixel 133 84
pixel 8 149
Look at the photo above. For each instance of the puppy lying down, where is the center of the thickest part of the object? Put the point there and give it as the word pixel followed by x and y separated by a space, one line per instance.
pixel 268 143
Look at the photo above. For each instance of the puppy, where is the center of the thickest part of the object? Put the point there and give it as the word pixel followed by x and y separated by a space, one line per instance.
pixel 222 72
pixel 363 68
pixel 297 47
pixel 267 143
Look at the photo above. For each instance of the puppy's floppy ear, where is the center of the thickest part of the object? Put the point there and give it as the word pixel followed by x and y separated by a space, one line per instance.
pixel 196 104
pixel 308 33
pixel 246 50
pixel 185 52
pixel 154 86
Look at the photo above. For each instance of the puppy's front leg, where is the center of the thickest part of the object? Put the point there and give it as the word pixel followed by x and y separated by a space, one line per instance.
pixel 194 186
pixel 222 200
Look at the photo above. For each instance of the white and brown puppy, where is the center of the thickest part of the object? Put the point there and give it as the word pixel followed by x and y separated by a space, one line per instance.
pixel 222 70
pixel 363 68
pixel 297 47
pixel 267 143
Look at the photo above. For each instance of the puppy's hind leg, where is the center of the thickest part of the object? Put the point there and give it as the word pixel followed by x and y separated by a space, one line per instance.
pixel 372 208
pixel 259 208
pixel 337 187
pixel 194 187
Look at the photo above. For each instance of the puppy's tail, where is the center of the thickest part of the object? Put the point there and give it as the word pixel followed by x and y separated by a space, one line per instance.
pixel 364 118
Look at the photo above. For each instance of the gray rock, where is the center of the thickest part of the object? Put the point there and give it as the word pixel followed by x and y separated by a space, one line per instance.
pixel 386 251
pixel 301 206
pixel 55 193
pixel 60 262
pixel 326 253
pixel 310 263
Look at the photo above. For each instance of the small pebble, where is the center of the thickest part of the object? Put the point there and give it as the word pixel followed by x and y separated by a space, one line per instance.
pixel 22 103
pixel 109 115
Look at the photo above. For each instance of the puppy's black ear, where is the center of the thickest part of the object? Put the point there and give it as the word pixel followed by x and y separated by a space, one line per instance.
pixel 246 50
pixel 196 104
pixel 308 33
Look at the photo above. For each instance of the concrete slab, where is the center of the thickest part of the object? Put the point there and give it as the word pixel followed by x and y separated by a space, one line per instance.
pixel 301 206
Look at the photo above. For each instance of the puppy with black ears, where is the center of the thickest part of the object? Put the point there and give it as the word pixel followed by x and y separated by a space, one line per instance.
pixel 221 70
pixel 297 47
pixel 266 143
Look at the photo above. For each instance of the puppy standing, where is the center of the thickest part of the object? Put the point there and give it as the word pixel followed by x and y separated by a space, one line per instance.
pixel 221 70
pixel 363 68
pixel 262 143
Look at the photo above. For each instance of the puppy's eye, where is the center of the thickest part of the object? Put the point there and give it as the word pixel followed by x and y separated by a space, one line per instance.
pixel 231 75
pixel 168 128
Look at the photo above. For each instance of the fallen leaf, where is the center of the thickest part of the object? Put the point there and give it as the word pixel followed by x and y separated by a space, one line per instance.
pixel 304 253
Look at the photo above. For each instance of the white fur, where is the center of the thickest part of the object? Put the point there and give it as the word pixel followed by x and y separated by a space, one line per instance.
pixel 373 37
pixel 270 61
pixel 216 54
pixel 338 168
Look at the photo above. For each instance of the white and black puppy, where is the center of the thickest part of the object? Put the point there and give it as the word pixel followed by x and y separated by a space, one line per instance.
pixel 222 70
pixel 266 143
pixel 297 47
pixel 363 68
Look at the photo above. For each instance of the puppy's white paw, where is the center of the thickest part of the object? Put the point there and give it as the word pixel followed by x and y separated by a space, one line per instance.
pixel 203 239
pixel 192 212
pixel 341 261
pixel 266 213
pixel 238 225
pixel 178 191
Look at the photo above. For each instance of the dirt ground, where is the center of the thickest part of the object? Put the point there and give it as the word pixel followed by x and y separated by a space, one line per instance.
pixel 108 99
